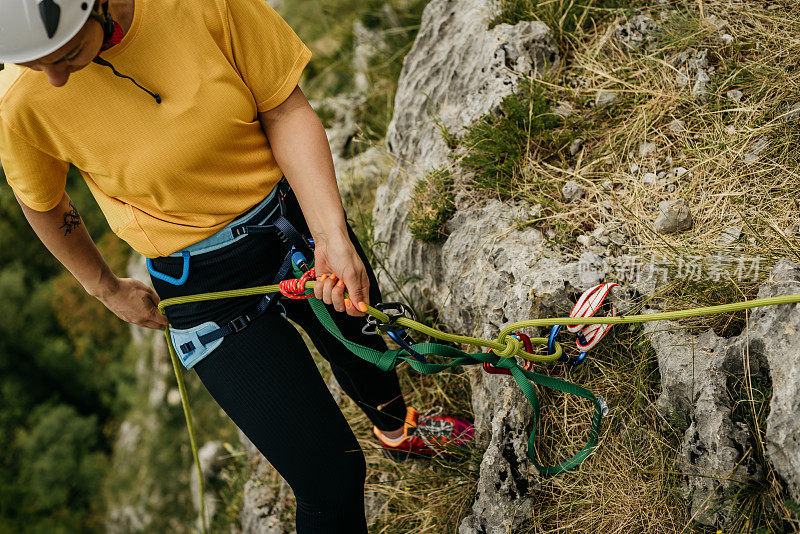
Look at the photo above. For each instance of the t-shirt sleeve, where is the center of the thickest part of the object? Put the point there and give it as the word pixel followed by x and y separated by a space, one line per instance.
pixel 269 55
pixel 37 178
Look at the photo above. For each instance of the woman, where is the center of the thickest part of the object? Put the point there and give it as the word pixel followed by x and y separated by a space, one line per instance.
pixel 183 117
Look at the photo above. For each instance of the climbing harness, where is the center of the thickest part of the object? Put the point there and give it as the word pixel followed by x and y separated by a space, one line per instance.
pixel 588 335
pixel 195 343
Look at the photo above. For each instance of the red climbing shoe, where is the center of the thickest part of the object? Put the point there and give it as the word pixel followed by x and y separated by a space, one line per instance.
pixel 430 434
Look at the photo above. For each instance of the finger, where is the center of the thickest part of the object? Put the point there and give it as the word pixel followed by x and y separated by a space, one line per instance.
pixel 328 289
pixel 160 320
pixel 357 290
pixel 337 296
pixel 154 315
pixel 153 295
pixel 318 285
pixel 359 296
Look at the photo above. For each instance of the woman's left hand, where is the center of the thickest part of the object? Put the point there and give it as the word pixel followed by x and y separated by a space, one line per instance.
pixel 339 268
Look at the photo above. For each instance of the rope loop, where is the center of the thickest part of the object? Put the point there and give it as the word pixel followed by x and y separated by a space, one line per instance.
pixel 294 288
pixel 512 346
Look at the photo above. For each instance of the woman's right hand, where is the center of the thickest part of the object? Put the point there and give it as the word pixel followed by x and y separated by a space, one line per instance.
pixel 134 302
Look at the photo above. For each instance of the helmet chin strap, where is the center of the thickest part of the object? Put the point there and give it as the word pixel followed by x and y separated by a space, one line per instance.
pixel 105 20
pixel 112 34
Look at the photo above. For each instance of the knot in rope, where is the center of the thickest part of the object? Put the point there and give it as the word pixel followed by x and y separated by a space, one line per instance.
pixel 295 287
pixel 512 346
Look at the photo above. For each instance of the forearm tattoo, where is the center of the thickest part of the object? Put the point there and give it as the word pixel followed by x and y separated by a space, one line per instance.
pixel 72 220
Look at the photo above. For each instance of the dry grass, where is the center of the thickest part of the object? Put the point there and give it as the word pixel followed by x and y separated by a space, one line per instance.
pixel 631 483
pixel 721 187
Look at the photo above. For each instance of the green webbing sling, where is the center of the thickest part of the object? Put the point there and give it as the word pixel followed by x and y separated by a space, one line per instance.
pixel 525 379
pixel 503 350
pixel 392 358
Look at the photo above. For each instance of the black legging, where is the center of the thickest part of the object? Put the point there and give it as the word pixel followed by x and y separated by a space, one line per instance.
pixel 266 381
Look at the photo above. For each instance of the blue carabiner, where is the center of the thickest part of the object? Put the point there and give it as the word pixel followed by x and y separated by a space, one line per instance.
pixel 551 347
pixel 398 336
pixel 299 259
pixel 551 342
pixel 171 279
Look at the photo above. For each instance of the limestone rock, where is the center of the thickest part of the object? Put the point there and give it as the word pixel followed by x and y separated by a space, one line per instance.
pixel 793 113
pixel 605 98
pixel 459 70
pixel 456 71
pixel 694 373
pixel 753 153
pixel 502 472
pixel 778 329
pixel 729 236
pixel 676 126
pixel 673 216
pixel 698 380
pixel 693 70
pixel 735 95
pixel 572 191
pixel 637 31
pixel 575 146
pixel 265 497
pixel 564 109
pixel 700 88
pixel 647 149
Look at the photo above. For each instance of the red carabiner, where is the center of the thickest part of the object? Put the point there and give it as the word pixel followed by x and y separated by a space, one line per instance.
pixel 526 342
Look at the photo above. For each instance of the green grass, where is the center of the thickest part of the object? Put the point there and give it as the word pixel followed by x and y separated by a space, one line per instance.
pixel 497 146
pixel 432 206
pixel 564 17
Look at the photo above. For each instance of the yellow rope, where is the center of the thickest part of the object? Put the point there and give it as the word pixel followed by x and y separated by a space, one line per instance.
pixel 187 414
pixel 505 345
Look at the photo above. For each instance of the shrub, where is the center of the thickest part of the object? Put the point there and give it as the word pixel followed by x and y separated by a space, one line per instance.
pixel 432 207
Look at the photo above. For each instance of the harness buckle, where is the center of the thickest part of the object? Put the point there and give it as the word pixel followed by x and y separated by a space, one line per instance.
pixel 240 323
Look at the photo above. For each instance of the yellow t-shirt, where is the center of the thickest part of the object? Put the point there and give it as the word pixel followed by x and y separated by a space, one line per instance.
pixel 165 175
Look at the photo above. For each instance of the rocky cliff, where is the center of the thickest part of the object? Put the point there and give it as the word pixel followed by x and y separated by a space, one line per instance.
pixel 491 270
pixel 458 70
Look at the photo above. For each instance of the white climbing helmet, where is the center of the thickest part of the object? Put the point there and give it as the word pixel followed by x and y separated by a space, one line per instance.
pixel 31 29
